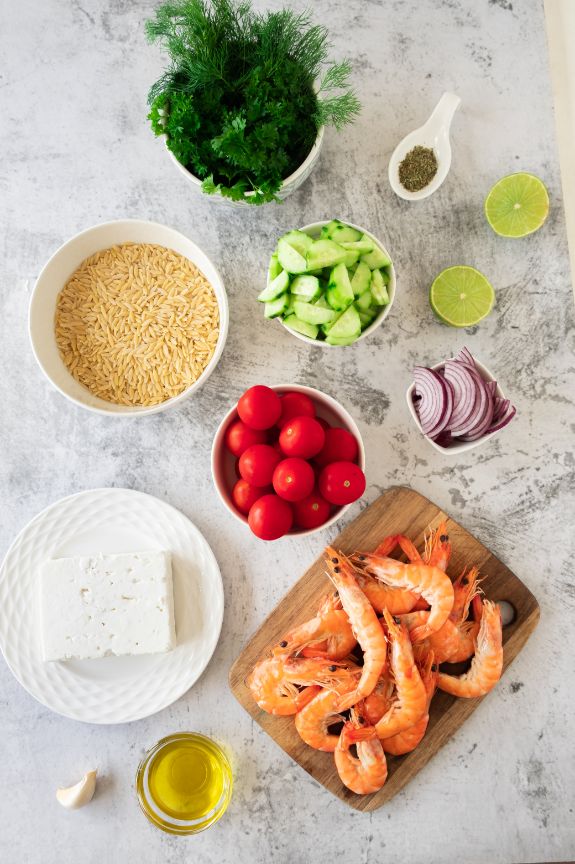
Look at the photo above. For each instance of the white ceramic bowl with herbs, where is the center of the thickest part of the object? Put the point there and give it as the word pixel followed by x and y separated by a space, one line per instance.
pixel 290 185
pixel 366 314
pixel 245 97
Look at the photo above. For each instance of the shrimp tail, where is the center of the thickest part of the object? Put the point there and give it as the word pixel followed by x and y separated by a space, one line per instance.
pixel 352 734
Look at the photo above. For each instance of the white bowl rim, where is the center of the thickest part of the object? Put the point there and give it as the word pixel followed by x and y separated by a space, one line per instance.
pixel 378 321
pixel 460 446
pixel 292 178
pixel 135 411
pixel 337 408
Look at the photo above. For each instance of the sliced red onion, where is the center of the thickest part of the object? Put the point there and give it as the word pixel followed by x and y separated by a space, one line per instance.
pixel 444 439
pixel 464 392
pixel 465 356
pixel 455 403
pixel 448 408
pixel 482 424
pixel 434 400
pixel 503 420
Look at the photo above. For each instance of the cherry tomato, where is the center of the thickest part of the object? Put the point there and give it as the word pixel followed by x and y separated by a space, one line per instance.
pixel 302 436
pixel 340 445
pixel 239 437
pixel 244 495
pixel 257 464
pixel 295 405
pixel 270 517
pixel 293 479
pixel 323 423
pixel 312 512
pixel 259 407
pixel 342 482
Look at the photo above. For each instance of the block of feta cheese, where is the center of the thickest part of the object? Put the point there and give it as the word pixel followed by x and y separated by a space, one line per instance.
pixel 96 605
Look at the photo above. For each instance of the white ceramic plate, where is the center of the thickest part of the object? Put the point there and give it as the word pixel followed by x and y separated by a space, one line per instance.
pixel 111 689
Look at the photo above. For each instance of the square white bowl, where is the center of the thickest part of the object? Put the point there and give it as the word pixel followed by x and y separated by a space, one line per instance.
pixel 458 446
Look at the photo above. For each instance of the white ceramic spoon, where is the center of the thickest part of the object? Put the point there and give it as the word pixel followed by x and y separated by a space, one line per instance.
pixel 434 134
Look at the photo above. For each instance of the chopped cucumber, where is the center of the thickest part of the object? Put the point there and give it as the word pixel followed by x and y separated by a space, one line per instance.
pixel 312 313
pixel 277 307
pixel 323 253
pixel 363 246
pixel 361 279
pixel 290 258
pixel 378 289
pixel 294 323
pixel 351 258
pixel 364 300
pixel 347 326
pixel 366 318
pixel 333 340
pixel 339 291
pixel 275 267
pixel 299 240
pixel 385 275
pixel 340 232
pixel 289 310
pixel 276 287
pixel 306 287
pixel 375 259
pixel 322 302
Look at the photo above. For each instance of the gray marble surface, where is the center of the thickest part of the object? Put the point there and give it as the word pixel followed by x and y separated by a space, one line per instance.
pixel 76 150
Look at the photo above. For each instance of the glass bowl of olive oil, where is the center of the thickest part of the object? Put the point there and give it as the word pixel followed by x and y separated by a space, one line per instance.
pixel 184 783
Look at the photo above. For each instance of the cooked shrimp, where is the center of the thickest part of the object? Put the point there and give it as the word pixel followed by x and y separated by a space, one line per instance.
pixel 362 617
pixel 410 701
pixel 367 772
pixel 437 547
pixel 328 634
pixel 273 692
pixel 383 596
pixel 487 663
pixel 405 742
pixel 465 588
pixel 431 582
pixel 274 681
pixel 455 640
pixel 444 642
pixel 378 702
pixel 466 591
pixel 315 718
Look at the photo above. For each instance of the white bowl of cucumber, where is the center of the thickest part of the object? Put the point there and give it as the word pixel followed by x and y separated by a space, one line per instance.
pixel 329 283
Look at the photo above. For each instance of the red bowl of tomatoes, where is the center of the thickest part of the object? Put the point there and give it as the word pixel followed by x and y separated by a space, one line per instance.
pixel 288 460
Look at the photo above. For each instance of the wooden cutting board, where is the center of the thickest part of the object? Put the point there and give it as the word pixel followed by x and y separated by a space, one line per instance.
pixel 399 510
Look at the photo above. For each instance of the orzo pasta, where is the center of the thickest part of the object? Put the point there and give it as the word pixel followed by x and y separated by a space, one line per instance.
pixel 137 324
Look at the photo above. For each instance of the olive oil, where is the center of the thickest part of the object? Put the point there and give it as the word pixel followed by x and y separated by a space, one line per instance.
pixel 184 783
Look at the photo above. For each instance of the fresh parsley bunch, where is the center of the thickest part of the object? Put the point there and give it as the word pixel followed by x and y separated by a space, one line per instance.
pixel 238 104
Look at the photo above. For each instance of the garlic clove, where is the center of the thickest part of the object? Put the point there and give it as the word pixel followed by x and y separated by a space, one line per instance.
pixel 79 794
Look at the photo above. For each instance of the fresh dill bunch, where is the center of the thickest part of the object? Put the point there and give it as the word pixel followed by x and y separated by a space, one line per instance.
pixel 238 102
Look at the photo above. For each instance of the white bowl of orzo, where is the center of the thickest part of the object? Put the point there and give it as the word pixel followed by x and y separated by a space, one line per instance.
pixel 128 318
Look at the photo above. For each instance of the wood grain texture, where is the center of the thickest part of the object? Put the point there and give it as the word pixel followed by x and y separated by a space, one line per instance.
pixel 399 510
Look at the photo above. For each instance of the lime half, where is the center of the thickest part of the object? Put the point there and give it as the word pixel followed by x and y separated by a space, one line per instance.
pixel 517 205
pixel 461 296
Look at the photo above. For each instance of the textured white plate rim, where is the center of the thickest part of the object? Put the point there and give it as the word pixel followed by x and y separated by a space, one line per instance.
pixel 176 692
